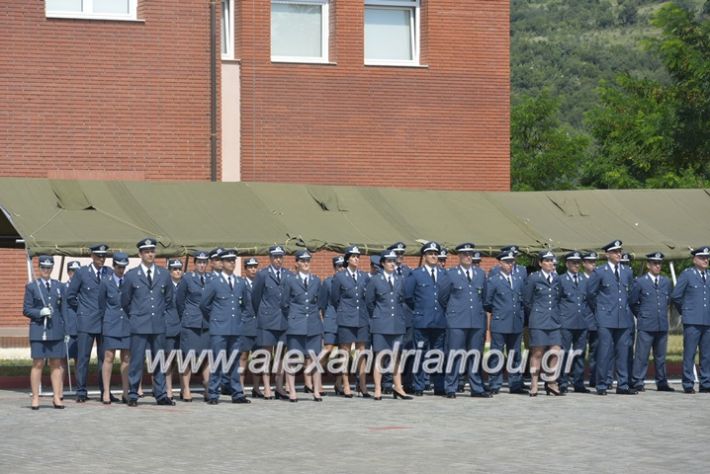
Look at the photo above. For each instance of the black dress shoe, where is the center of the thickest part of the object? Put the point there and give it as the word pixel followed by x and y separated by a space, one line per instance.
pixel 81 399
pixel 519 391
pixel 704 389
pixel 132 403
pixel 689 390
pixel 403 396
pixel 639 389
pixel 307 389
pixel 418 393
pixel 106 402
pixel 113 398
pixel 601 391
pixel 186 400
pixel 451 395
pixel 124 400
pixel 533 394
pixel 563 390
pixel 317 399
pixel 241 399
pixel 35 407
pixel 347 395
pixel 293 400
pixel 494 391
pixel 213 401
pixel 626 391
pixel 481 395
pixel 362 394
pixel 665 388
pixel 387 391
pixel 256 394
pixel 581 390
pixel 165 402
pixel 57 407
pixel 377 399
pixel 440 393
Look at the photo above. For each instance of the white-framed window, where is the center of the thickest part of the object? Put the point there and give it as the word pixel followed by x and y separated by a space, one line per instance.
pixel 92 9
pixel 392 32
pixel 227 29
pixel 299 31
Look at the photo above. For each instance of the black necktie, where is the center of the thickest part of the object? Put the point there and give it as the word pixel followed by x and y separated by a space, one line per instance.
pixel 399 271
pixel 231 283
pixel 655 282
pixel 278 276
pixel 702 274
pixel 576 281
pixel 150 278
pixel 49 288
pixel 202 280
pixel 616 272
pixel 98 275
pixel 120 282
pixel 549 279
pixel 354 275
pixel 468 275
pixel 390 280
pixel 305 283
pixel 510 281
pixel 433 275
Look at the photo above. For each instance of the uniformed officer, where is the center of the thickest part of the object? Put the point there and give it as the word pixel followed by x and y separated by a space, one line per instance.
pixel 504 300
pixel 465 322
pixel 626 262
pixel 215 265
pixel 70 317
pixel 443 256
pixel 540 298
pixel 271 322
pixel 650 301
pixel 44 305
pixel 400 249
pixel 83 297
pixel 248 328
pixel 347 295
pixel 224 305
pixel 146 294
pixel 574 315
pixel 402 271
pixel 589 264
pixel 691 297
pixel 374 265
pixel 330 317
pixel 608 295
pixel 518 271
pixel 115 327
pixel 422 289
pixel 299 302
pixel 194 333
pixel 384 296
pixel 172 324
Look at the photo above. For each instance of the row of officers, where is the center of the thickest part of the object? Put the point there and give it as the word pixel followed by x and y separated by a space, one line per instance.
pixel 392 307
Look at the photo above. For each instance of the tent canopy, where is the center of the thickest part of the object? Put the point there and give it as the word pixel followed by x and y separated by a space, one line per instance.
pixel 65 217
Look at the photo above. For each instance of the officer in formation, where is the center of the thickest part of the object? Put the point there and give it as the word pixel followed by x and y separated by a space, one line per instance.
pixel 589 264
pixel 116 328
pixel 83 298
pixel 173 326
pixel 541 300
pixel 70 317
pixel 223 304
pixel 608 295
pixel 691 296
pixel 299 302
pixel 194 334
pixel 347 295
pixel 574 321
pixel 422 289
pixel 330 317
pixel 650 301
pixel 250 330
pixel 146 294
pixel 402 271
pixel 466 320
pixel 45 306
pixel 271 322
pixel 384 296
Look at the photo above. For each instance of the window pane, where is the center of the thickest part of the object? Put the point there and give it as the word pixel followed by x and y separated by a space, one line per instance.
pixel 226 27
pixel 388 33
pixel 296 30
pixel 111 6
pixel 64 5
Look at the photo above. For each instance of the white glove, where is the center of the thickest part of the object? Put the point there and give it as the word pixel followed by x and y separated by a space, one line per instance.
pixel 46 311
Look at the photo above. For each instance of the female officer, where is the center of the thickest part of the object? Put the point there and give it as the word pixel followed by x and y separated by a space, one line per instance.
pixel 115 327
pixel 299 301
pixel 347 295
pixel 44 305
pixel 172 324
pixel 384 296
pixel 330 319
pixel 541 297
pixel 194 336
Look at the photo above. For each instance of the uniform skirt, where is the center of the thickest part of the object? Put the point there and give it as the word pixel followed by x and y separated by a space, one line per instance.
pixel 246 343
pixel 348 335
pixel 172 343
pixel 112 343
pixel 330 338
pixel 194 339
pixel 304 344
pixel 270 337
pixel 545 337
pixel 380 342
pixel 47 349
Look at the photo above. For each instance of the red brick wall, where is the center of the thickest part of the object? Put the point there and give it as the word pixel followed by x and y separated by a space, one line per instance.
pixel 105 97
pixel 444 126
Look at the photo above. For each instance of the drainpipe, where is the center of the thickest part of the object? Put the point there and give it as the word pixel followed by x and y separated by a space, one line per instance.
pixel 213 91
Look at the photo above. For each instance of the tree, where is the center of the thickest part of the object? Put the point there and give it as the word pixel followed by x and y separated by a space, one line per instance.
pixel 650 134
pixel 545 154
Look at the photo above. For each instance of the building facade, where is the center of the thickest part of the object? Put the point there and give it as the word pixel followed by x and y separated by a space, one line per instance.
pixel 406 93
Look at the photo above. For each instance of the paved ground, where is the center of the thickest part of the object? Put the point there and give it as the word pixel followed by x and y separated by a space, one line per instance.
pixel 651 432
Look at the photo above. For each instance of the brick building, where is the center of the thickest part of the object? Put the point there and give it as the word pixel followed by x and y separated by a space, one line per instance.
pixel 406 93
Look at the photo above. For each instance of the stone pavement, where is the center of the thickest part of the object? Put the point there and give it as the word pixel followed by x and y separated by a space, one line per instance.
pixel 650 432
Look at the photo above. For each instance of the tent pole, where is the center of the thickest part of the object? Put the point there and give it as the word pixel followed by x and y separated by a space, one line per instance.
pixel 673 274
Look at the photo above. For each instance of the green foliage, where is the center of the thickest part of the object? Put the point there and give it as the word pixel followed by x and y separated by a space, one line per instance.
pixel 545 154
